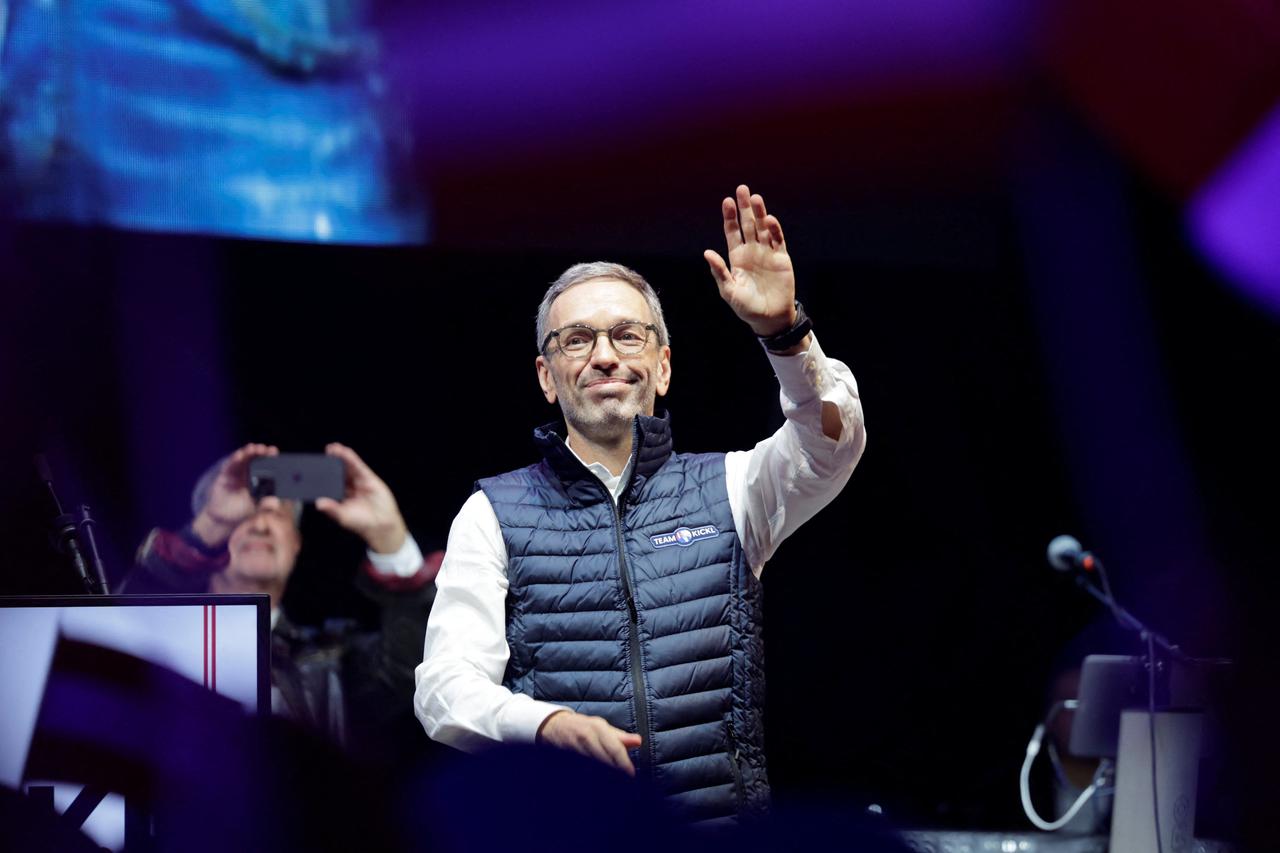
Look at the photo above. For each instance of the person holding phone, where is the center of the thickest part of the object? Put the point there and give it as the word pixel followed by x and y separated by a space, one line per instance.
pixel 607 599
pixel 345 684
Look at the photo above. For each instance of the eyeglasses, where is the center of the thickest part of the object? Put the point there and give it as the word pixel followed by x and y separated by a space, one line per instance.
pixel 629 337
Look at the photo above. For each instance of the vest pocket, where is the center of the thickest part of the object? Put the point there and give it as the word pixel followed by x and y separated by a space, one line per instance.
pixel 735 764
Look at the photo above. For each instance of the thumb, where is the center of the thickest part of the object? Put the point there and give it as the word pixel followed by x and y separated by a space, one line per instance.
pixel 719 269
pixel 329 507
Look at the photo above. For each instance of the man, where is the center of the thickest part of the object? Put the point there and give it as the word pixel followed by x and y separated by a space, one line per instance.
pixel 607 600
pixel 345 685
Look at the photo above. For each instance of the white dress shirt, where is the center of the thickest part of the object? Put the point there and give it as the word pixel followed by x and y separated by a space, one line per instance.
pixel 773 489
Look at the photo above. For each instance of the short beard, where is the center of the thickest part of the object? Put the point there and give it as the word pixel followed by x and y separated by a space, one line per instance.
pixel 602 427
pixel 604 424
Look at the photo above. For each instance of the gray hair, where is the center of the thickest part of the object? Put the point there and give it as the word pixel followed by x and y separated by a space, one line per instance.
pixel 579 273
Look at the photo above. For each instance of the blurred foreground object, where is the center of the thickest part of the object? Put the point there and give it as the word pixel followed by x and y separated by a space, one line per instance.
pixel 252 118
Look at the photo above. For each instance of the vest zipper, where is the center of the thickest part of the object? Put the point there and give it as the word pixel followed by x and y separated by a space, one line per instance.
pixel 639 695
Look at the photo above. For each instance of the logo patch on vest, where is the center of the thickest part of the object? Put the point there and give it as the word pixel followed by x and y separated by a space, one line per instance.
pixel 684 536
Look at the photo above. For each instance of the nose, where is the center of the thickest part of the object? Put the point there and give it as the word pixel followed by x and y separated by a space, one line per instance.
pixel 266 506
pixel 603 354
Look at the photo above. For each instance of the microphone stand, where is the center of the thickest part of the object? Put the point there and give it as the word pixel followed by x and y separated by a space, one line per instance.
pixel 1125 618
pixel 1151 641
pixel 73 536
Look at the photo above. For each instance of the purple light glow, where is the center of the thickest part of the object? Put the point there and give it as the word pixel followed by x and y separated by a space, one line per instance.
pixel 1235 219
pixel 573 74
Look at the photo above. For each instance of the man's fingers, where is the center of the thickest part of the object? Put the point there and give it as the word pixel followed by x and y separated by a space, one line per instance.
pixel 590 736
pixel 757 210
pixel 331 508
pixel 356 467
pixel 237 464
pixel 346 511
pixel 613 744
pixel 775 232
pixel 249 451
pixel 719 269
pixel 617 753
pixel 239 458
pixel 732 230
pixel 602 748
pixel 587 741
pixel 745 216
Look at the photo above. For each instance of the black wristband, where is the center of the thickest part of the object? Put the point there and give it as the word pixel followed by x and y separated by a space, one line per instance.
pixel 784 341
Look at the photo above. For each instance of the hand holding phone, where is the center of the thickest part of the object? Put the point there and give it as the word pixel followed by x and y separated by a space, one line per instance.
pixel 297 477
pixel 367 507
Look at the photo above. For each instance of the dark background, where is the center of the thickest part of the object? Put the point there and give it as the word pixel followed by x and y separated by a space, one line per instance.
pixel 1039 347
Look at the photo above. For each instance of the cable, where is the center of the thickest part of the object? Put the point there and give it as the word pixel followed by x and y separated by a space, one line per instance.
pixel 1024 778
pixel 1052 747
pixel 1151 720
pixel 1106 589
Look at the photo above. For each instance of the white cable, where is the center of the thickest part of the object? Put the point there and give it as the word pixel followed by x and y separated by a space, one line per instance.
pixel 1024 784
pixel 1058 771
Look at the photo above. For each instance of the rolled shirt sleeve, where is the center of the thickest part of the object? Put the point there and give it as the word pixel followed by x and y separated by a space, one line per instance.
pixel 785 479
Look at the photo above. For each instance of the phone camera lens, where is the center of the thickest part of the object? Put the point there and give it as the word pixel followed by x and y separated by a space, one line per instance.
pixel 262 487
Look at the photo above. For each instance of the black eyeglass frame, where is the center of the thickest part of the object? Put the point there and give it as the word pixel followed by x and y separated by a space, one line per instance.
pixel 596 333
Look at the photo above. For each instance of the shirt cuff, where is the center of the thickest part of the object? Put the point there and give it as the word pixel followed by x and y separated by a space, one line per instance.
pixel 403 563
pixel 521 718
pixel 805 376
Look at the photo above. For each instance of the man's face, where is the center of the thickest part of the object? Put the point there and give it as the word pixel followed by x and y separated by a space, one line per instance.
pixel 265 545
pixel 600 395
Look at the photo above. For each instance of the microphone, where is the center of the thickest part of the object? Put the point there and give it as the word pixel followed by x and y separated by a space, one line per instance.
pixel 1066 555
pixel 73 534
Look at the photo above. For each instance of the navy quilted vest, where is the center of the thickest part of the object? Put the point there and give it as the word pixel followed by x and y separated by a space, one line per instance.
pixel 645 614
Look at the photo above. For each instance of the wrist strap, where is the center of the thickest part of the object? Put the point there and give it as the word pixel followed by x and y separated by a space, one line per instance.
pixel 784 341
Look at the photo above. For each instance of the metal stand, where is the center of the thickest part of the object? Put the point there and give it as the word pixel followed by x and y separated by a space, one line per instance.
pixel 73 536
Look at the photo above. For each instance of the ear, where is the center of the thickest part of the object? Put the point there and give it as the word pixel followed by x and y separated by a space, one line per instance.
pixel 664 372
pixel 544 379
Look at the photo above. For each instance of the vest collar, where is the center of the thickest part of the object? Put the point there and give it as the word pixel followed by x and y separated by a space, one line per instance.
pixel 650 449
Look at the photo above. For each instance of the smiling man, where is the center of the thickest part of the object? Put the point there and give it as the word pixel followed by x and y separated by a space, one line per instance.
pixel 607 599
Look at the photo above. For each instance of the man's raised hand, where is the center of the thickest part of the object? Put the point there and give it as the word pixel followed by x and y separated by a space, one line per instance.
pixel 369 508
pixel 230 501
pixel 758 281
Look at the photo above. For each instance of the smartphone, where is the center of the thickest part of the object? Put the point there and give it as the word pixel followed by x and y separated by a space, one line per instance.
pixel 297 477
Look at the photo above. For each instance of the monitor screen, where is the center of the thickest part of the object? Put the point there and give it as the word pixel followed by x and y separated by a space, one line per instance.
pixel 68 663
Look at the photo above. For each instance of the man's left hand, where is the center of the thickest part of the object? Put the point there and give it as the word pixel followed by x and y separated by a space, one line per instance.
pixel 758 282
pixel 369 508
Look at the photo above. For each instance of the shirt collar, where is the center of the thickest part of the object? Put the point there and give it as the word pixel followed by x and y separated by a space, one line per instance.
pixel 613 483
